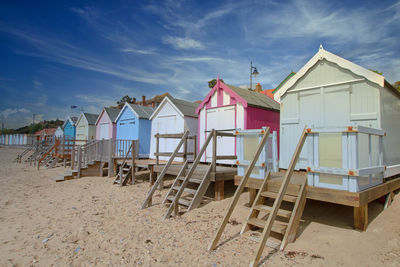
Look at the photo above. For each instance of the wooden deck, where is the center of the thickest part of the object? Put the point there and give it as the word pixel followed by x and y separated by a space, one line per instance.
pixel 358 200
pixel 223 173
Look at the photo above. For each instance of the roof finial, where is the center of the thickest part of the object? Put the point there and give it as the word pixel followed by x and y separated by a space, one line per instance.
pixel 321 47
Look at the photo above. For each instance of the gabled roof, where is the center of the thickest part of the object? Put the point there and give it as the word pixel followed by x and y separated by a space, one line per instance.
pixel 72 121
pixel 244 96
pixel 49 131
pixel 90 117
pixel 111 112
pixel 140 111
pixel 283 82
pixel 323 54
pixel 183 107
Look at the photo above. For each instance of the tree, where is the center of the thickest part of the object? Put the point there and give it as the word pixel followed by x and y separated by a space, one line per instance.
pixel 213 82
pixel 122 101
pixel 397 85
pixel 376 71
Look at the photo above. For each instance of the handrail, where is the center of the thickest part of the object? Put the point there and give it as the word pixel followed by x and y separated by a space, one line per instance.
pixel 47 153
pixel 164 171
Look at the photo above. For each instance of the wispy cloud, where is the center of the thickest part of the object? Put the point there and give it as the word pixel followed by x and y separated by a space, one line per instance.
pixel 139 51
pixel 10 111
pixel 183 43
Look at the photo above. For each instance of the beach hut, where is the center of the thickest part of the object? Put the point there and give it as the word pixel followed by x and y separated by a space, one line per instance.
pixel 173 116
pixel 59 132
pixel 329 91
pixel 133 124
pixel 228 107
pixel 69 127
pixel 86 127
pixel 106 123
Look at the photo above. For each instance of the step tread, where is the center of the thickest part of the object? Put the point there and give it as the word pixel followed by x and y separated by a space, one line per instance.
pixel 268 209
pixel 192 180
pixel 180 201
pixel 277 227
pixel 287 198
pixel 186 190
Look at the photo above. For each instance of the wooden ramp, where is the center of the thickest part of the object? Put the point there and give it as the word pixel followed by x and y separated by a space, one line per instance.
pixel 269 218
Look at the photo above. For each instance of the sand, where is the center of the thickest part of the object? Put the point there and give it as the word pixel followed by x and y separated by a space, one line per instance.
pixel 90 221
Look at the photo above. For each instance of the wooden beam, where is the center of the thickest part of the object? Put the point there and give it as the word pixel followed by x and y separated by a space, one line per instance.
pixel 378 191
pixel 278 201
pixel 361 217
pixel 226 157
pixel 219 190
pixel 238 192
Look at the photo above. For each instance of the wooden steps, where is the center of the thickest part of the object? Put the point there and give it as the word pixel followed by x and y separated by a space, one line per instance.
pixel 277 227
pixel 273 195
pixel 283 220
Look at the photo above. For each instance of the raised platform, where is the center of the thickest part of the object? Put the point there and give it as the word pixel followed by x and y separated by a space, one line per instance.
pixel 358 200
pixel 222 174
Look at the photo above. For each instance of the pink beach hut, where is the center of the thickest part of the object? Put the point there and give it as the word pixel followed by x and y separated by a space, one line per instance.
pixel 105 124
pixel 228 107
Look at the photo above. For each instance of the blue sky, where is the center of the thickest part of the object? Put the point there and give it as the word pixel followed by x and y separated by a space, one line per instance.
pixel 54 54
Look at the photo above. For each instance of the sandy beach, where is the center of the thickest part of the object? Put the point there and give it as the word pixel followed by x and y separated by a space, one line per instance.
pixel 90 221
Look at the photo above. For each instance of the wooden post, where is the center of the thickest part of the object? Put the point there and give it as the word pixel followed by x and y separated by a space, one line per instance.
pixel 185 150
pixel 79 161
pixel 252 196
pixel 110 158
pixel 219 190
pixel 238 192
pixel 361 217
pixel 157 148
pixel 72 157
pixel 194 147
pixel 133 169
pixel 214 155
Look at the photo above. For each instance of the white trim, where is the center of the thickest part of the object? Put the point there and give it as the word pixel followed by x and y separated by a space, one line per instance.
pixel 101 113
pixel 166 99
pixel 364 116
pixel 129 106
pixel 325 85
pixel 392 170
pixel 323 54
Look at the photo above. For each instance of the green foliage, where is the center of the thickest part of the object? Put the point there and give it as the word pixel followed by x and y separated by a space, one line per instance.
pixel 376 71
pixel 397 85
pixel 124 99
pixel 213 82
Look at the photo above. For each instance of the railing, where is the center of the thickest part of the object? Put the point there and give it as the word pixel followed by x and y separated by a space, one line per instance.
pixel 98 150
pixel 345 158
pixel 184 154
pixel 246 143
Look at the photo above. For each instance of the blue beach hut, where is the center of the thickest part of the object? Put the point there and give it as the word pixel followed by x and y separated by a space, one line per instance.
pixel 69 127
pixel 133 124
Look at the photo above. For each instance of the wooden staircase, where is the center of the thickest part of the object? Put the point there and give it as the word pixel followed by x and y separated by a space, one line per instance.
pixel 269 218
pixel 189 190
pixel 21 155
pixel 125 170
pixel 160 178
pixel 287 218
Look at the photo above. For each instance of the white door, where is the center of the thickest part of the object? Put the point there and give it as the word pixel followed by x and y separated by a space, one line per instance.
pixel 167 125
pixel 104 134
pixel 221 119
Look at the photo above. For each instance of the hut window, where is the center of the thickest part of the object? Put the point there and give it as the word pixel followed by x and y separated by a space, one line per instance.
pixel 250 143
pixel 330 150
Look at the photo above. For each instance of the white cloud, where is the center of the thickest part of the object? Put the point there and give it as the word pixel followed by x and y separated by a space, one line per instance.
pixel 7 112
pixel 183 43
pixel 138 51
